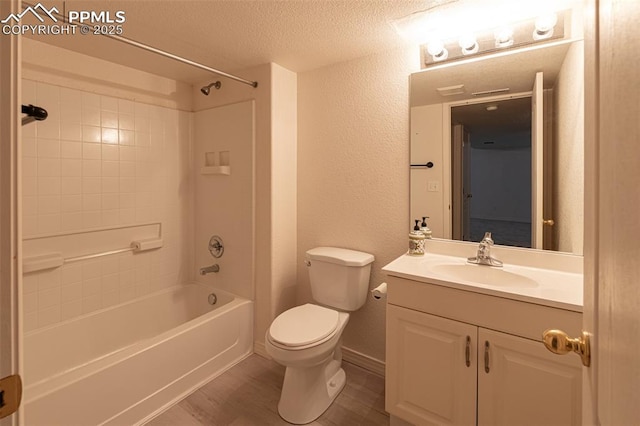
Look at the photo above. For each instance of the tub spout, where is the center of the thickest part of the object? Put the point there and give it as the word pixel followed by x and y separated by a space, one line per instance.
pixel 208 269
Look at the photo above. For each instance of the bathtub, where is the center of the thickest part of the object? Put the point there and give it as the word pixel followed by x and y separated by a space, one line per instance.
pixel 125 364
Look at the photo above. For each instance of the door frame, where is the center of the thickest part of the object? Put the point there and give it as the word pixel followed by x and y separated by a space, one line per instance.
pixel 10 226
pixel 447 197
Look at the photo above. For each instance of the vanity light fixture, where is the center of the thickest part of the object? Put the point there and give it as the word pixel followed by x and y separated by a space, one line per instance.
pixel 469 44
pixel 436 49
pixel 492 107
pixel 544 26
pixel 504 37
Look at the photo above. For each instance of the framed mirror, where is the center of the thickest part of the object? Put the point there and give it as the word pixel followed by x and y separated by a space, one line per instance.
pixel 497 145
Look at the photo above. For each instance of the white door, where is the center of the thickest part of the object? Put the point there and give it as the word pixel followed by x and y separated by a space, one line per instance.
pixel 612 212
pixel 9 228
pixel 537 133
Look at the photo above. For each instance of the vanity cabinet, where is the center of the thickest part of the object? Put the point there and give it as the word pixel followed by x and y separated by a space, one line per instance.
pixel 459 358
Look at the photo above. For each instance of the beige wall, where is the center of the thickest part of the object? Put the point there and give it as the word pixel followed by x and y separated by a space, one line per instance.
pixel 569 162
pixel 353 178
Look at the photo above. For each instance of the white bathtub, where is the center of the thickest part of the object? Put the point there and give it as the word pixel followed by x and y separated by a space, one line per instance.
pixel 122 365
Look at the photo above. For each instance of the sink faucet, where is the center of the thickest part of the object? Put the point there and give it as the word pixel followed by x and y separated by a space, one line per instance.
pixel 483 257
pixel 208 269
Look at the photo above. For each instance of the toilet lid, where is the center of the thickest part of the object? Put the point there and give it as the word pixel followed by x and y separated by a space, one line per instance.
pixel 303 325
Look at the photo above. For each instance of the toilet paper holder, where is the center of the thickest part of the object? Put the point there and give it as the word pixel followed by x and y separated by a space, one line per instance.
pixel 380 291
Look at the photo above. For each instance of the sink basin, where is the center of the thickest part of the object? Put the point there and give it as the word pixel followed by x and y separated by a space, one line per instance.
pixel 486 275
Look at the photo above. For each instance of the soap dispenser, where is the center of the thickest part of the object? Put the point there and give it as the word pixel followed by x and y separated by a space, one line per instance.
pixel 424 228
pixel 416 241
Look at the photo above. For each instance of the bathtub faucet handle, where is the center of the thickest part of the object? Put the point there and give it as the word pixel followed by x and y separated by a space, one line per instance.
pixel 208 269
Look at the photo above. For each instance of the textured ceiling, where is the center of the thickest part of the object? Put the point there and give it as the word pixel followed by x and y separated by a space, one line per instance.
pixel 300 35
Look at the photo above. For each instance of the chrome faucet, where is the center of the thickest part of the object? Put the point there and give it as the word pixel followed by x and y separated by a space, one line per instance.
pixel 208 269
pixel 483 257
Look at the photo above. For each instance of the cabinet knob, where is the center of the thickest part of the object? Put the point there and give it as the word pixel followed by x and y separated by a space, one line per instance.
pixel 558 342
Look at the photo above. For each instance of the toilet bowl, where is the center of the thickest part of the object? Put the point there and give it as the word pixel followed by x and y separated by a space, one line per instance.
pixel 312 355
pixel 307 339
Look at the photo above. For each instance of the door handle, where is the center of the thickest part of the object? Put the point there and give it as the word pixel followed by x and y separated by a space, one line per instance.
pixel 548 222
pixel 10 395
pixel 467 352
pixel 558 342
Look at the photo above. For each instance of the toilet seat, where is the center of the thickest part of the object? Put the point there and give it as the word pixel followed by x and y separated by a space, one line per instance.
pixel 304 325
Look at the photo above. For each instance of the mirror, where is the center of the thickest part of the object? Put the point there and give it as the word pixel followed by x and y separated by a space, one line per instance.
pixel 503 136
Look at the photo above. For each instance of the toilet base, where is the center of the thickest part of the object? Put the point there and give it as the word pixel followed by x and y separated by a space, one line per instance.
pixel 308 392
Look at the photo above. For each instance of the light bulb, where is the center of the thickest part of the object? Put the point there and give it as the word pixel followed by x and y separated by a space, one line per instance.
pixel 468 44
pixel 544 26
pixel 436 49
pixel 504 36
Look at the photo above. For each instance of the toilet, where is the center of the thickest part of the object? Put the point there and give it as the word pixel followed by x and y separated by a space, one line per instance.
pixel 307 339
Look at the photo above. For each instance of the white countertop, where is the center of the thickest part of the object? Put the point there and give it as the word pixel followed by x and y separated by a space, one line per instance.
pixel 548 287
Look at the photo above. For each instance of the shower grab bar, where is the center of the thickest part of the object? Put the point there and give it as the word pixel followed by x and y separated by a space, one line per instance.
pixel 33 113
pixel 55 260
pixel 160 52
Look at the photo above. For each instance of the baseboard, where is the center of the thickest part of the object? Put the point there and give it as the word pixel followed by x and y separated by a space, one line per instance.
pixel 365 361
pixel 259 349
pixel 349 355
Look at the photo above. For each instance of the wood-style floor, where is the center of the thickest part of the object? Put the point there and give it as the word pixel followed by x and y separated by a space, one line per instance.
pixel 248 394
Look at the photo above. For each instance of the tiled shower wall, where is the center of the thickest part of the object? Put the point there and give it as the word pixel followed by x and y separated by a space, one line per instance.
pixel 101 162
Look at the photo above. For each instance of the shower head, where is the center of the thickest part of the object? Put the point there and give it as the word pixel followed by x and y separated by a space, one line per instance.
pixel 206 89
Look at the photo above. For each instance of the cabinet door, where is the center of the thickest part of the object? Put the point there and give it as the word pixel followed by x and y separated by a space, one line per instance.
pixel 431 368
pixel 525 383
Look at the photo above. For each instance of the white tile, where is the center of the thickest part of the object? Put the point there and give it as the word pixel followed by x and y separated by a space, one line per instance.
pixel 144 214
pixel 29 205
pixel 125 263
pixel 31 321
pixel 111 298
pixel 91 219
pixel 29 167
pixel 143 199
pixel 127 200
pixel 110 168
pixel 47 95
pixel 127 153
pixel 70 185
pixel 109 265
pixel 91 134
pixel 49 298
pixel 91 185
pixel 127 294
pixel 49 129
pixel 143 154
pixel 90 100
pixel 110 217
pixel 91 117
pixel 71 292
pixel 126 137
pixel 109 119
pixel 127 168
pixel 49 204
pixel 126 106
pixel 127 184
pixel 71 309
pixel 71 167
pixel 70 114
pixel 92 168
pixel 49 316
pixel 142 124
pixel 29 225
pixel 91 287
pixel 91 304
pixel 29 146
pixel 70 149
pixel 127 216
pixel 110 184
pixel 48 148
pixel 30 302
pixel 144 184
pixel 49 279
pixel 48 167
pixel 48 223
pixel 110 283
pixel 70 274
pixel 126 122
pixel 71 132
pixel 141 110
pixel 110 136
pixel 70 96
pixel 141 289
pixel 142 139
pixel 110 201
pixel 91 269
pixel 108 103
pixel 91 202
pixel 110 152
pixel 91 151
pixel 48 186
pixel 28 95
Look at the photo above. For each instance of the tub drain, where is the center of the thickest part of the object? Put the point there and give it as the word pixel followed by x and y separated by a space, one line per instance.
pixel 213 299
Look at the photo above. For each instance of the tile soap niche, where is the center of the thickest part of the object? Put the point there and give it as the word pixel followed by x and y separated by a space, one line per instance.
pixel 216 163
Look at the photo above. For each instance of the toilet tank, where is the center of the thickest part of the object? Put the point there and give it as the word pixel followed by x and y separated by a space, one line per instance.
pixel 339 277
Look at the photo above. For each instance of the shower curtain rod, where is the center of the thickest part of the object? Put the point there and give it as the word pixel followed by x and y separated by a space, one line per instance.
pixel 162 53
